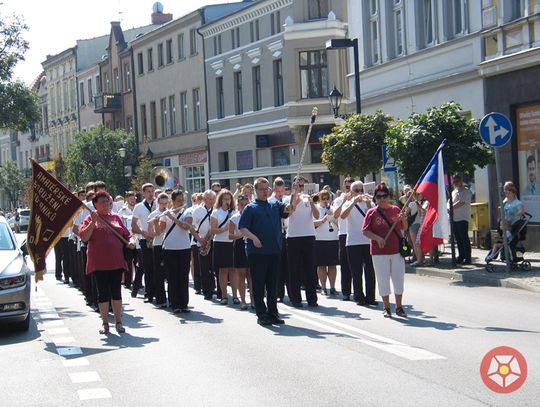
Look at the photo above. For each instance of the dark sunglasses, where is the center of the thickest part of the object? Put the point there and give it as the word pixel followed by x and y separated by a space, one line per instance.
pixel 381 196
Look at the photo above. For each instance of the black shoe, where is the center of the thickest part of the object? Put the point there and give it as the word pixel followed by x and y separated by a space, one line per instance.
pixel 198 292
pixel 280 299
pixel 372 302
pixel 313 304
pixel 276 319
pixel 333 291
pixel 400 312
pixel 361 301
pixel 459 260
pixel 264 320
pixel 467 262
pixel 297 305
pixel 346 297
pixel 148 300
pixel 59 278
pixel 185 310
pixel 176 310
pixel 208 297
pixel 127 286
pixel 134 293
pixel 66 281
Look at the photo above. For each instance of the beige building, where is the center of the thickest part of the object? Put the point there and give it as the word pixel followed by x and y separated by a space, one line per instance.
pixel 266 68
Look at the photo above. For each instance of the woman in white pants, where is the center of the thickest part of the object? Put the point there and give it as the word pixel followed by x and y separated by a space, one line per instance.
pixel 387 261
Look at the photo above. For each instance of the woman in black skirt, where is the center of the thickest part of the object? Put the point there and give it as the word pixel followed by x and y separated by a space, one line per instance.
pixel 326 244
pixel 240 262
pixel 222 260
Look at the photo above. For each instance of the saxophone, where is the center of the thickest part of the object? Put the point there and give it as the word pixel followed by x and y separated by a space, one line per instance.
pixel 203 251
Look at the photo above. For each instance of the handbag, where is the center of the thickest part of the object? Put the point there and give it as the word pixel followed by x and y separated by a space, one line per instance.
pixel 404 247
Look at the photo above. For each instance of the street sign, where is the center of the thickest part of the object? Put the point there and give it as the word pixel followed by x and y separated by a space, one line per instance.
pixel 496 130
pixel 389 163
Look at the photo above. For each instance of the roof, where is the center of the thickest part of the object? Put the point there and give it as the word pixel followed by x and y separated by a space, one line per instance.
pixel 214 12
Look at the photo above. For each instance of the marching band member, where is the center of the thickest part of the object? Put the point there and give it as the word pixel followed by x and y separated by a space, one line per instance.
pixel 240 261
pixel 300 245
pixel 222 257
pixel 326 244
pixel 196 200
pixel 278 194
pixel 157 252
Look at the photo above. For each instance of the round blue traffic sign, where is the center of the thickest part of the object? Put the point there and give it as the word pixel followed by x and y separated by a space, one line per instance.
pixel 496 129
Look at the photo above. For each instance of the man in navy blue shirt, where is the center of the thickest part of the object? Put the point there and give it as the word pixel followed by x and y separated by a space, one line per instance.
pixel 261 225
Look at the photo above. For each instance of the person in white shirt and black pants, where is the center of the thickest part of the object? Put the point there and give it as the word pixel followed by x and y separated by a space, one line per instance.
pixel 157 250
pixel 360 261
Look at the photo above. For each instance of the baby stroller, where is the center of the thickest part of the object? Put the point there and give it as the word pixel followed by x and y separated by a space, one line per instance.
pixel 515 237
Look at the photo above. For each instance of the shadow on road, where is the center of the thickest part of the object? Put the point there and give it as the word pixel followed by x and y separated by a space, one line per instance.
pixel 126 340
pixel 292 330
pixel 336 312
pixel 423 321
pixel 10 336
pixel 198 317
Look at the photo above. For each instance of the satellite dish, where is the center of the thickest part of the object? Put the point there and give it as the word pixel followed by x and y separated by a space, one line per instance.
pixel 157 7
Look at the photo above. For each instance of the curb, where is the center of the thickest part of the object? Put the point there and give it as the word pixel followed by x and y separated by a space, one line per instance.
pixel 470 277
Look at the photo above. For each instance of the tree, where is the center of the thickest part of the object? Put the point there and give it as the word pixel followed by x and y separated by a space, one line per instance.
pixel 142 173
pixel 414 141
pixel 94 155
pixel 60 168
pixel 19 108
pixel 354 147
pixel 12 181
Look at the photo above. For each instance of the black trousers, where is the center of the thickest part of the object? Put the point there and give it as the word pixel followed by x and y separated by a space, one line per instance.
pixel 196 272
pixel 177 265
pixel 205 271
pixel 360 262
pixel 283 274
pixel 90 290
pixel 146 257
pixel 264 274
pixel 461 233
pixel 131 259
pixel 109 284
pixel 159 275
pixel 302 268
pixel 61 255
pixel 344 267
pixel 73 264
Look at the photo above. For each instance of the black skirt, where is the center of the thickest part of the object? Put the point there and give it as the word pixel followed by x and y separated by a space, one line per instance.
pixel 326 252
pixel 240 258
pixel 222 255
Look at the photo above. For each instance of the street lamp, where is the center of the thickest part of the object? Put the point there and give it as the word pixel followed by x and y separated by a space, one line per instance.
pixel 335 97
pixel 122 152
pixel 338 43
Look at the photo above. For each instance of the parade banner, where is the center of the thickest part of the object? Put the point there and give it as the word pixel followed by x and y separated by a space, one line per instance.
pixel 528 138
pixel 52 206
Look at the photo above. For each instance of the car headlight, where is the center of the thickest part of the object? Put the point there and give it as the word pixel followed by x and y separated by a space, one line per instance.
pixel 12 282
pixel 15 275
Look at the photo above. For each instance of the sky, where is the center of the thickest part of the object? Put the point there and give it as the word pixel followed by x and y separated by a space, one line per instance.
pixel 55 25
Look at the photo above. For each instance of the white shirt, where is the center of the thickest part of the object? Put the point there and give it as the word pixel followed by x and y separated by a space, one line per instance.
pixel 301 220
pixel 464 211
pixel 220 215
pixel 178 239
pixel 199 213
pixel 323 231
pixel 127 215
pixel 141 212
pixel 355 222
pixel 157 240
pixel 342 223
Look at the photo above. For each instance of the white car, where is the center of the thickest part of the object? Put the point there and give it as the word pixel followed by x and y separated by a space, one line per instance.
pixel 15 280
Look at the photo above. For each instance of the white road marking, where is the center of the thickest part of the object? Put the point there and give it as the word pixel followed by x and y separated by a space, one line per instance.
pixel 54 322
pixel 60 340
pixel 58 331
pixel 92 394
pixel 49 315
pixel 68 350
pixel 84 377
pixel 377 341
pixel 75 362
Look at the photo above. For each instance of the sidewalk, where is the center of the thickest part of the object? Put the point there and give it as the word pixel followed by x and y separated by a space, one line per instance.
pixel 476 273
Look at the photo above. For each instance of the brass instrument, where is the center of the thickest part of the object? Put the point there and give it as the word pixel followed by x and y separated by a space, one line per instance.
pixel 203 251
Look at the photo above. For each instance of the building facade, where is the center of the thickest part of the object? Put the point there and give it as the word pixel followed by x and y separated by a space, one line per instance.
pixel 266 68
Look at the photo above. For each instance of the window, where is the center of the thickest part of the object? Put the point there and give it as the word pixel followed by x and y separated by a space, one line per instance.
pixel 169 51
pixel 220 99
pixel 196 109
pixel 254 31
pixel 150 59
pixel 116 74
pixel 160 55
pixel 81 93
pixel 172 112
pixel 257 92
pixel 396 47
pixel 427 28
pixel 317 9
pixel 244 160
pixel 374 37
pixel 127 77
pixel 278 83
pixel 153 120
pixel 195 179
pixel 223 161
pixel 238 99
pixel 181 48
pixel 185 112
pixel 140 66
pixel 513 9
pixel 98 84
pixel 316 153
pixel 217 44
pixel 314 74
pixel 192 41
pixel 275 23
pixel 281 156
pixel 235 37
pixel 144 123
pixel 163 106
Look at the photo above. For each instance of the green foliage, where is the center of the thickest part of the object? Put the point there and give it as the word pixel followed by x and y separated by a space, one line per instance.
pixel 354 147
pixel 12 181
pixel 142 173
pixel 60 168
pixel 94 156
pixel 19 108
pixel 413 142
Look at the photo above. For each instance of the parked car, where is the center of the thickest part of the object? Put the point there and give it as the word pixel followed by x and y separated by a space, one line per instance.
pixel 24 219
pixel 15 280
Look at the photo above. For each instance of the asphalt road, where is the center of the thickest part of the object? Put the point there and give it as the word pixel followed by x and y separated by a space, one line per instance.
pixel 336 354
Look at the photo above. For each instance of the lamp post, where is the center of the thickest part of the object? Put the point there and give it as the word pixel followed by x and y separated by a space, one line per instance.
pixel 339 43
pixel 335 97
pixel 122 152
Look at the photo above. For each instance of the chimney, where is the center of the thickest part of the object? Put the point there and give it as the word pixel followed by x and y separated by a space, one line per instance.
pixel 158 17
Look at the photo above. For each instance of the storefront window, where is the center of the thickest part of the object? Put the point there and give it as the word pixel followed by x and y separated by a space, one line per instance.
pixel 281 156
pixel 195 181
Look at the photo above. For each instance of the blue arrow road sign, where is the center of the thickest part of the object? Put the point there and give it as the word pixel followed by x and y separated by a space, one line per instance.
pixel 496 130
pixel 389 164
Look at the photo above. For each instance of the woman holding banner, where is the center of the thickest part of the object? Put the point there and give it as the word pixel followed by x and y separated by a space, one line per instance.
pixel 105 257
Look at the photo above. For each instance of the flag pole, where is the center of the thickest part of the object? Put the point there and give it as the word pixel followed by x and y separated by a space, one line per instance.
pixel 108 225
pixel 441 146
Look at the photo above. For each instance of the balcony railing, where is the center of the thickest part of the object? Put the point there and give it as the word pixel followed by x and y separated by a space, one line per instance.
pixel 107 103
